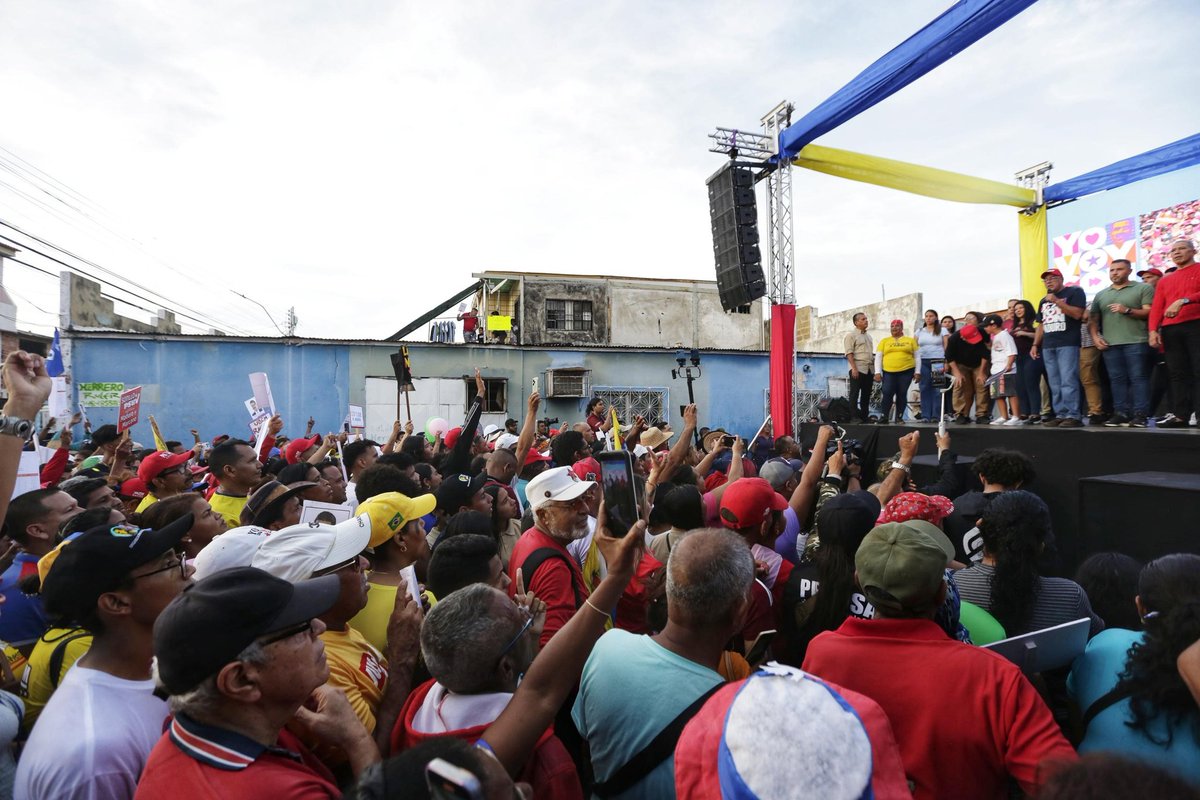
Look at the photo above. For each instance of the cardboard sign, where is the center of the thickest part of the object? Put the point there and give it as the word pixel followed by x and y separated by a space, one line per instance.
pixel 262 391
pixel 28 473
pixel 356 417
pixel 130 409
pixel 100 395
pixel 60 400
pixel 324 513
pixel 251 407
pixel 258 423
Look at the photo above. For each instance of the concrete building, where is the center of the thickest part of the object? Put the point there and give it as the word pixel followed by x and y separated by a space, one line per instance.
pixel 586 311
pixel 826 333
pixel 12 339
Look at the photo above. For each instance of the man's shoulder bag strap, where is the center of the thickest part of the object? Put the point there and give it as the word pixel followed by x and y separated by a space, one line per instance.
pixel 538 557
pixel 653 754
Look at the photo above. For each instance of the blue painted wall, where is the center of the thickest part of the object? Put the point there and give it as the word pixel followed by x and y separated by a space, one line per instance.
pixel 201 383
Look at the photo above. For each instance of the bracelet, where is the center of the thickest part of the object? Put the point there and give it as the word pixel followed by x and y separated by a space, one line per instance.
pixel 905 467
pixel 587 601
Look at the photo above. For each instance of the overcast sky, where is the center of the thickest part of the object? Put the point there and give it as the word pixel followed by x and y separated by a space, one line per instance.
pixel 360 160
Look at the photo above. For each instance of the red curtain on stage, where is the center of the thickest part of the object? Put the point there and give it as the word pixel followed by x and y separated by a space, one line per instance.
pixel 783 362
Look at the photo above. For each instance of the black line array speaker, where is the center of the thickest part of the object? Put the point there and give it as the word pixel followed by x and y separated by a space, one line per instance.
pixel 1141 514
pixel 734 214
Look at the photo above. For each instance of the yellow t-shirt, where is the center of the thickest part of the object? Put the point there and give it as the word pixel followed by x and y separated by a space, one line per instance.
pixel 372 621
pixel 229 507
pixel 898 354
pixel 37 685
pixel 358 669
pixel 147 501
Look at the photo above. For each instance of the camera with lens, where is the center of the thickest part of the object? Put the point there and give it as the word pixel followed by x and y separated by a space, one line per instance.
pixel 852 449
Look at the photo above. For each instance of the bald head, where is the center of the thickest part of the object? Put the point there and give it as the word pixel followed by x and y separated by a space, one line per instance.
pixel 709 575
pixel 502 465
pixel 589 435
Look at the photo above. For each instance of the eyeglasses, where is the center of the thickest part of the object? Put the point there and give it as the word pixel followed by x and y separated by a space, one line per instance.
pixel 352 563
pixel 287 633
pixel 520 634
pixel 180 565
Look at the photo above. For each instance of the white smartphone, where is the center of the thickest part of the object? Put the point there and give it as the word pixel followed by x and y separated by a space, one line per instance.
pixel 535 383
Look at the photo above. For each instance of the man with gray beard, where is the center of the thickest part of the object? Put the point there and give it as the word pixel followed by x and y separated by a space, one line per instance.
pixel 560 516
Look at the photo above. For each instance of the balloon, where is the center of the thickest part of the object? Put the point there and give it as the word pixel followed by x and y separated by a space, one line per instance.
pixel 435 427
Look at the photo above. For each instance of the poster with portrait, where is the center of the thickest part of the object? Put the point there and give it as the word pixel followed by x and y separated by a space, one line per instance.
pixel 1160 229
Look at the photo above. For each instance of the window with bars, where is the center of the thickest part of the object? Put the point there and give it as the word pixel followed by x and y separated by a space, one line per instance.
pixel 568 315
pixel 630 402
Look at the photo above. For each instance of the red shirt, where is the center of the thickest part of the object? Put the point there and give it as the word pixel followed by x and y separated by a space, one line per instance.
pixel 1183 282
pixel 550 770
pixel 964 717
pixel 594 422
pixel 552 582
pixel 201 761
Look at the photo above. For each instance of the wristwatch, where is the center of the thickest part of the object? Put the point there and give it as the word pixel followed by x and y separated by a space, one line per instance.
pixel 15 426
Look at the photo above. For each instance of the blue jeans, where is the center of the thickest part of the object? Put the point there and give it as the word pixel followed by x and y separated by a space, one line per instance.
pixel 895 389
pixel 1029 385
pixel 1126 363
pixel 931 401
pixel 1062 373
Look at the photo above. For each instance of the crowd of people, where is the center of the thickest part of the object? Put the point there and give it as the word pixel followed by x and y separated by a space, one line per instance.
pixel 1111 361
pixel 785 618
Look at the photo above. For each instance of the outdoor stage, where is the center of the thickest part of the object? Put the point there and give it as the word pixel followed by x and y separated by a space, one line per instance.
pixel 1135 490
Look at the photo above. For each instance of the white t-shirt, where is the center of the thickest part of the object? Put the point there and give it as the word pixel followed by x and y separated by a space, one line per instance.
pixel 1003 346
pixel 91 740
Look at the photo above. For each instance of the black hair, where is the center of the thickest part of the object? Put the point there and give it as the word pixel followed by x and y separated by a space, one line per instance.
pixel 1106 774
pixel 1030 314
pixel 494 490
pixel 353 451
pixel 414 448
pixel 275 465
pixel 403 775
pixel 683 506
pixel 1014 528
pixel 591 404
pixel 424 471
pixel 684 475
pixel 224 455
pixel 296 473
pixel 105 434
pixel 466 522
pixel 1169 589
pixel 379 479
pixel 1009 468
pixel 937 324
pixel 166 511
pixel 171 445
pixel 84 520
pixel 478 465
pixel 564 446
pixel 401 461
pixel 857 314
pixel 460 561
pixel 82 489
pixel 24 510
pixel 1110 581
pixel 953 322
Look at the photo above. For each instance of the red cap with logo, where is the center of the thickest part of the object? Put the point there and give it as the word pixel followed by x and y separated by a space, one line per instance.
pixel 156 463
pixel 749 501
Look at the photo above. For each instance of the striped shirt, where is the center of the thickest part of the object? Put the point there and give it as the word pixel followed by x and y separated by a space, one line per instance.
pixel 1058 600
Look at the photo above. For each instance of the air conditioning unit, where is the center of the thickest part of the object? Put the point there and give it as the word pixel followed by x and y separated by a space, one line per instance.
pixel 568 383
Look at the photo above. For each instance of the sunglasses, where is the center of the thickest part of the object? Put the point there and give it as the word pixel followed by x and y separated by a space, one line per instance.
pixel 180 565
pixel 520 634
pixel 351 564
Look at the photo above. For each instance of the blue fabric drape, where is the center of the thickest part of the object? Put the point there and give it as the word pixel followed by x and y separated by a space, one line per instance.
pixel 956 29
pixel 1159 161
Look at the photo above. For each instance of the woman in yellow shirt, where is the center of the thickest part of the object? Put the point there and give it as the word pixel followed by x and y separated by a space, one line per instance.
pixel 897 363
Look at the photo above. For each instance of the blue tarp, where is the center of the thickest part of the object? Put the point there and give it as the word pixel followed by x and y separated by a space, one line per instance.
pixel 1159 161
pixel 960 26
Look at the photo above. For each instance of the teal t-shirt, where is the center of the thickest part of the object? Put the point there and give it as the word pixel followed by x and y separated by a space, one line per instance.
pixel 1120 328
pixel 1092 676
pixel 630 690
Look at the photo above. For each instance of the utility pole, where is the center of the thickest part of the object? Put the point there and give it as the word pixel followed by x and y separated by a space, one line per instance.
pixel 291 321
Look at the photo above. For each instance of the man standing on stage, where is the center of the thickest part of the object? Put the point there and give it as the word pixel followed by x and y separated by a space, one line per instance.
pixel 860 354
pixel 1175 323
pixel 1057 343
pixel 1117 322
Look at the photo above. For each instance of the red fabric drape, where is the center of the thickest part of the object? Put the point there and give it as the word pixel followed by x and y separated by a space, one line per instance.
pixel 783 361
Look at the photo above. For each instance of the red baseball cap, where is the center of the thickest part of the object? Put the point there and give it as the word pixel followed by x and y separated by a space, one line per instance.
pixel 154 464
pixel 133 489
pixel 748 501
pixel 971 334
pixel 588 469
pixel 533 457
pixel 1151 271
pixel 1053 272
pixel 450 437
pixel 297 446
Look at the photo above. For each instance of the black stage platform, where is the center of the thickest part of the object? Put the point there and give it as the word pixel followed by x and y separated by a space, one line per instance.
pixel 1141 486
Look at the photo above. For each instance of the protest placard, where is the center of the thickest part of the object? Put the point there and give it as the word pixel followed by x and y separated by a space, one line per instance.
pixel 130 408
pixel 324 513
pixel 100 395
pixel 262 391
pixel 356 417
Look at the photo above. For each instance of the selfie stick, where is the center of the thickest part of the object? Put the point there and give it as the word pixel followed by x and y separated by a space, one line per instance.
pixel 942 418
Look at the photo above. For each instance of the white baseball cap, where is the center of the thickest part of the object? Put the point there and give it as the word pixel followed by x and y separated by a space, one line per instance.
pixel 505 440
pixel 560 484
pixel 296 552
pixel 233 548
pixel 489 430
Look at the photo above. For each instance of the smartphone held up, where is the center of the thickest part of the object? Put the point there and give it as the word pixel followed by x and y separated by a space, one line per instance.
pixel 620 490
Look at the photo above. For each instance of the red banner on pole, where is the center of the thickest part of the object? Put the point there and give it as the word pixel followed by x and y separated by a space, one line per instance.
pixel 129 409
pixel 783 361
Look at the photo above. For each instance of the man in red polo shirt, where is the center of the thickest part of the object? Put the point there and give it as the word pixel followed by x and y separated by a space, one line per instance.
pixel 560 516
pixel 240 655
pixel 965 718
pixel 1175 325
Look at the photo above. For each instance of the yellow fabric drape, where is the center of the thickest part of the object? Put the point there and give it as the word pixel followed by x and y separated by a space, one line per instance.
pixel 1035 254
pixel 912 178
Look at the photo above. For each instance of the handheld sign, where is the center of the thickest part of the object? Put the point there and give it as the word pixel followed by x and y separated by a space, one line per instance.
pixel 130 409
